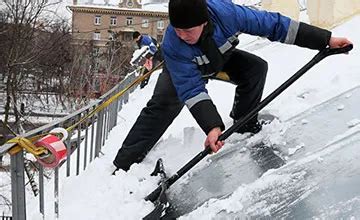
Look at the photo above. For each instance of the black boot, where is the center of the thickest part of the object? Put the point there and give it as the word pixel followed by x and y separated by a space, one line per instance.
pixel 252 127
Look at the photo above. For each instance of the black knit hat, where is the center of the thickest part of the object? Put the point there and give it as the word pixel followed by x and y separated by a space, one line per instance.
pixel 187 13
pixel 136 34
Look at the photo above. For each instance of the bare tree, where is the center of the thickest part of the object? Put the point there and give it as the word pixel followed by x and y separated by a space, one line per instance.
pixel 30 44
pixel 76 83
pixel 4 201
pixel 38 57
pixel 115 61
pixel 117 56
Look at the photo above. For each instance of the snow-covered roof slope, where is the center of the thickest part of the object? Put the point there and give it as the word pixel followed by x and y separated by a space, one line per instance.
pixel 96 194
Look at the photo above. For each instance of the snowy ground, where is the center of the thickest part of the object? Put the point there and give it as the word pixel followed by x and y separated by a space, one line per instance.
pixel 95 194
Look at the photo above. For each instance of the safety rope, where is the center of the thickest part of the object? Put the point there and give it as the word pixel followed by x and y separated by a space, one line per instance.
pixel 29 146
pixel 114 97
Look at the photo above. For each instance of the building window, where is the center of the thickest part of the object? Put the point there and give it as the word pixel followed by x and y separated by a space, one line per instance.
pixel 96 36
pixel 145 23
pixel 159 38
pixel 160 25
pixel 130 3
pixel 96 51
pixel 128 36
pixel 129 21
pixel 97 20
pixel 113 20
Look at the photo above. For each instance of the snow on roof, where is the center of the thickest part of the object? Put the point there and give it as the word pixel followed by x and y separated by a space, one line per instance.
pixel 99 2
pixel 161 7
pixel 302 4
pixel 147 5
pixel 146 2
pixel 148 8
pixel 246 2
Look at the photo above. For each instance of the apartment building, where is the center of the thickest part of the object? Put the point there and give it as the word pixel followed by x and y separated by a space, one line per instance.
pixel 107 26
pixel 99 22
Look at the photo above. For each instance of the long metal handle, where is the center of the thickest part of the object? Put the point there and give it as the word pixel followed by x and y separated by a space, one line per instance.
pixel 317 58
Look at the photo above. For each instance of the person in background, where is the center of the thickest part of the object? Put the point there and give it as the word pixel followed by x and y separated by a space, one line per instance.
pixel 152 58
pixel 202 46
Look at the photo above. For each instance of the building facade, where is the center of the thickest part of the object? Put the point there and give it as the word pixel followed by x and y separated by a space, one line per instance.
pixel 100 23
pixel 108 29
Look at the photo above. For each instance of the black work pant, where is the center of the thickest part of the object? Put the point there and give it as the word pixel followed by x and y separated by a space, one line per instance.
pixel 245 70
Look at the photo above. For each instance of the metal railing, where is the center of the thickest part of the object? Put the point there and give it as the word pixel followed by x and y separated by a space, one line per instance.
pixel 3 217
pixel 92 133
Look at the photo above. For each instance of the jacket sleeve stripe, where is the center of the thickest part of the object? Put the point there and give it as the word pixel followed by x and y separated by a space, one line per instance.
pixel 201 60
pixel 200 97
pixel 292 32
pixel 225 47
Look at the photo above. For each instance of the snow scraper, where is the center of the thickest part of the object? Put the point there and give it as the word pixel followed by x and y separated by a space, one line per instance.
pixel 158 196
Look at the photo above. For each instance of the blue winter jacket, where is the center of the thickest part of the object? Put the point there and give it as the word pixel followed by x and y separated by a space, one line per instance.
pixel 229 21
pixel 146 40
pixel 185 62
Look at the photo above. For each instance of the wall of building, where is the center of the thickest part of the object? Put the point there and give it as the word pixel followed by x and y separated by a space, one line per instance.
pixel 84 28
pixel 329 13
pixel 84 25
pixel 289 8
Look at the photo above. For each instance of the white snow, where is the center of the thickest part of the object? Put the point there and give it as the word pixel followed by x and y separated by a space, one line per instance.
pixel 160 7
pixel 348 95
pixel 340 107
pixel 114 4
pixel 296 148
pixel 139 52
pixel 304 121
pixel 353 123
pixel 246 2
pixel 95 194
pixel 320 159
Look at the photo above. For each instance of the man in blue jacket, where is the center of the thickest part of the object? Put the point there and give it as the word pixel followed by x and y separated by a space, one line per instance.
pixel 196 48
pixel 153 56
